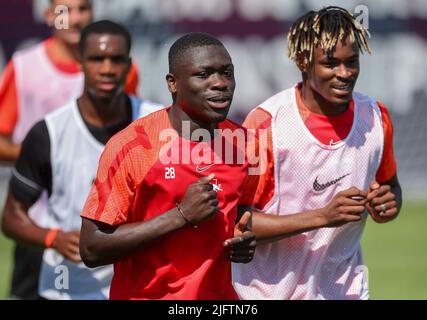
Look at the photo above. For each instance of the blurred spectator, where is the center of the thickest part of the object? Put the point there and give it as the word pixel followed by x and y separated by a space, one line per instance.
pixel 36 81
pixel 60 155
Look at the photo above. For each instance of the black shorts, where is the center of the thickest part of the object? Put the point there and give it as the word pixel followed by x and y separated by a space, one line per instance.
pixel 26 271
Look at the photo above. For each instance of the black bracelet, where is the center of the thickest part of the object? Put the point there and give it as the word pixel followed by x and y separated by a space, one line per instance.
pixel 178 206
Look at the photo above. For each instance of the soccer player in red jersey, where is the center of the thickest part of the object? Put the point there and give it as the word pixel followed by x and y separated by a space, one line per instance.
pixel 165 217
pixel 330 162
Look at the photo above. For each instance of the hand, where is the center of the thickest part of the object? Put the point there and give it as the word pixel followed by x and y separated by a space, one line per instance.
pixel 200 202
pixel 346 206
pixel 242 245
pixel 381 204
pixel 67 244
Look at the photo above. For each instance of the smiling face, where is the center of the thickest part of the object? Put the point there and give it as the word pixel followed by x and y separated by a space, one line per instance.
pixel 202 83
pixel 334 77
pixel 105 63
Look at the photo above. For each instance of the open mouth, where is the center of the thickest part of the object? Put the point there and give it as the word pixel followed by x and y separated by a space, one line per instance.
pixel 343 89
pixel 219 102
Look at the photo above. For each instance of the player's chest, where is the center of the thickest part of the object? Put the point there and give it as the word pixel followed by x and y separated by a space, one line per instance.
pixel 173 179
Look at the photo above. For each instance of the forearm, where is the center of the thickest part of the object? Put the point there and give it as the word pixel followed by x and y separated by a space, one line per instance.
pixel 17 225
pixel 102 244
pixel 8 151
pixel 397 190
pixel 270 228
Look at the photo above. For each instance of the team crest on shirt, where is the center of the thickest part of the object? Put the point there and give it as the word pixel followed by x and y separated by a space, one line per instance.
pixel 216 185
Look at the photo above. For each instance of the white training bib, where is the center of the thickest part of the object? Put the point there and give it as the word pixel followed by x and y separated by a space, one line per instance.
pixel 41 88
pixel 74 158
pixel 325 263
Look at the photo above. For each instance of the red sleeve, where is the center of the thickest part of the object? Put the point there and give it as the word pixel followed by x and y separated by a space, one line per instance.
pixel 388 167
pixel 259 188
pixel 132 80
pixel 112 192
pixel 123 165
pixel 8 101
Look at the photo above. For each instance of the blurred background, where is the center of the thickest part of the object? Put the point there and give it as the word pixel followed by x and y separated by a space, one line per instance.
pixel 254 32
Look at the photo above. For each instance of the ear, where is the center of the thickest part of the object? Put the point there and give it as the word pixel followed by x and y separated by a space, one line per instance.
pixel 171 80
pixel 49 16
pixel 302 64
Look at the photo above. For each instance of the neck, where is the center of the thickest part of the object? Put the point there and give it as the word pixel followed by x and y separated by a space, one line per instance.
pixel 103 112
pixel 316 103
pixel 65 50
pixel 177 117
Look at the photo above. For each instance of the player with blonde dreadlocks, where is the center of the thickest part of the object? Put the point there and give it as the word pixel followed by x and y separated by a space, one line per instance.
pixel 330 162
pixel 324 28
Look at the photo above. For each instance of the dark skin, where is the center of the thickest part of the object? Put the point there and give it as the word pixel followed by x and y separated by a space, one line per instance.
pixel 65 46
pixel 323 78
pixel 197 88
pixel 202 87
pixel 105 64
pixel 327 89
pixel 9 151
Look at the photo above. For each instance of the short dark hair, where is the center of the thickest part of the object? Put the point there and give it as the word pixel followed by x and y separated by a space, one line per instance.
pixel 187 41
pixel 102 27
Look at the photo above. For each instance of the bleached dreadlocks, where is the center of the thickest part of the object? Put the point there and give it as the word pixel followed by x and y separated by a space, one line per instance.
pixel 324 28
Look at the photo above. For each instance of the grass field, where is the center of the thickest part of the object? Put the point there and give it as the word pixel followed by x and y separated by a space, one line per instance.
pixel 5 265
pixel 395 254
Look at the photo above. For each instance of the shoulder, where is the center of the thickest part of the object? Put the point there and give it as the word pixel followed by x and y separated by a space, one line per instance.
pixel 258 118
pixel 38 131
pixel 37 139
pixel 62 111
pixel 364 99
pixel 280 99
pixel 261 116
pixel 133 72
pixel 379 107
pixel 156 117
pixel 386 119
pixel 8 74
pixel 30 51
pixel 383 108
pixel 58 120
pixel 132 150
pixel 137 134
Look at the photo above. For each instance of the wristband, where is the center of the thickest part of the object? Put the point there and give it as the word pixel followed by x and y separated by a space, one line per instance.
pixel 50 237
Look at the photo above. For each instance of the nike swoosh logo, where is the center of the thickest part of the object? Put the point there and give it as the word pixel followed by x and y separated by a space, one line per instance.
pixel 198 169
pixel 333 143
pixel 322 186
